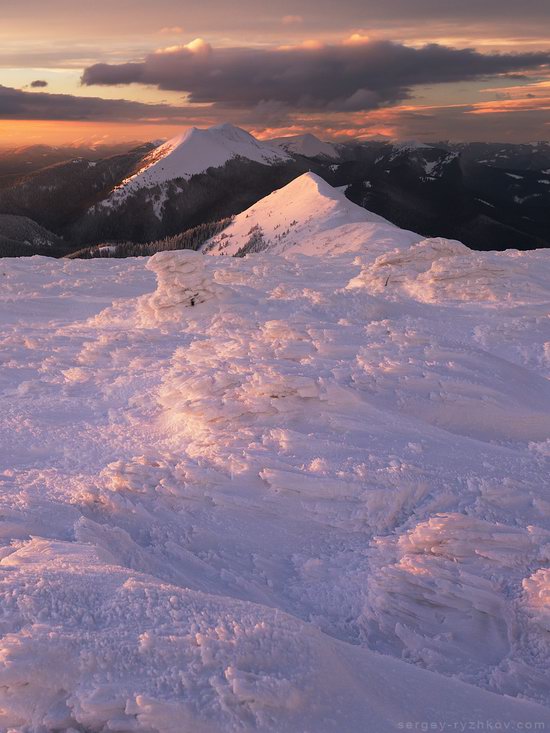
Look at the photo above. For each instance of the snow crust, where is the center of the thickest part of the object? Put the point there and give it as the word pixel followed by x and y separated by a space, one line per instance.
pixel 315 498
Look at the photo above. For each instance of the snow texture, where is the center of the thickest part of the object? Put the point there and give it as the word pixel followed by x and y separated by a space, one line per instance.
pixel 301 490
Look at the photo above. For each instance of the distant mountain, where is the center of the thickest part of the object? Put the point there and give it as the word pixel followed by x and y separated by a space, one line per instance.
pixel 444 190
pixel 307 145
pixel 22 160
pixel 195 178
pixel 57 196
pixel 21 236
pixel 526 156
pixel 307 216
pixel 195 152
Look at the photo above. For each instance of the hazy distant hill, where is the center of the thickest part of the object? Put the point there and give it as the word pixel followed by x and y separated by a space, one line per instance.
pixel 21 236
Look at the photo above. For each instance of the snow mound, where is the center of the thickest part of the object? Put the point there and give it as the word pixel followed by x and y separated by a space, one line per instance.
pixel 444 585
pixel 182 283
pixel 307 145
pixel 446 382
pixel 308 216
pixel 194 152
pixel 436 270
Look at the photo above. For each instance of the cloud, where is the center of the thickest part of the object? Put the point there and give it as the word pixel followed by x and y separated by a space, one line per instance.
pixel 292 19
pixel 171 30
pixel 19 105
pixel 38 84
pixel 349 76
pixel 496 121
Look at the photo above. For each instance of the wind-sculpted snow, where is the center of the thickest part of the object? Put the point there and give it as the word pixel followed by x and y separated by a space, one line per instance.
pixel 440 269
pixel 182 282
pixel 278 492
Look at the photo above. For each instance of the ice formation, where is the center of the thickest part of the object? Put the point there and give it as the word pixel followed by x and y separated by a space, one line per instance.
pixel 182 282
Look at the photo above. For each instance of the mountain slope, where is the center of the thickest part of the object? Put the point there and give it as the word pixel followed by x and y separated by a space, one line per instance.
pixel 307 216
pixel 451 191
pixel 21 236
pixel 57 196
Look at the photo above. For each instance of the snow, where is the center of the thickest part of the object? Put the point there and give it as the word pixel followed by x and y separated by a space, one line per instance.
pixel 311 217
pixel 307 145
pixel 303 490
pixel 522 199
pixel 430 168
pixel 194 152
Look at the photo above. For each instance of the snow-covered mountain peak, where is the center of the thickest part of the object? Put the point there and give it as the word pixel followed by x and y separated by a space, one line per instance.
pixel 196 150
pixel 309 193
pixel 307 145
pixel 233 133
pixel 309 216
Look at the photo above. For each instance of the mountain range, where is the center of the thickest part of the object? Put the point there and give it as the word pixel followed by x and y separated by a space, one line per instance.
pixel 489 196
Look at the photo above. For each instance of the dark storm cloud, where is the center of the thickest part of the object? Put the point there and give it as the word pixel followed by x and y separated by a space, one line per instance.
pixel 39 84
pixel 19 105
pixel 350 77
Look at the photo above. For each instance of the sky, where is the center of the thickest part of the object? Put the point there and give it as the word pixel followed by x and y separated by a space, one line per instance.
pixel 117 70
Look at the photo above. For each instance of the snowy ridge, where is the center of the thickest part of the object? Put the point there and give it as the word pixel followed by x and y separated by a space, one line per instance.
pixel 194 152
pixel 307 145
pixel 279 492
pixel 307 216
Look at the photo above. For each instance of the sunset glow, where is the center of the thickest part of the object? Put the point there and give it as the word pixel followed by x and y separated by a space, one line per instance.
pixel 136 72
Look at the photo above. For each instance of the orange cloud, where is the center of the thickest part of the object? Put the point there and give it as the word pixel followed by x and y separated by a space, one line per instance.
pixel 356 38
pixel 172 30
pixel 196 46
pixel 505 106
